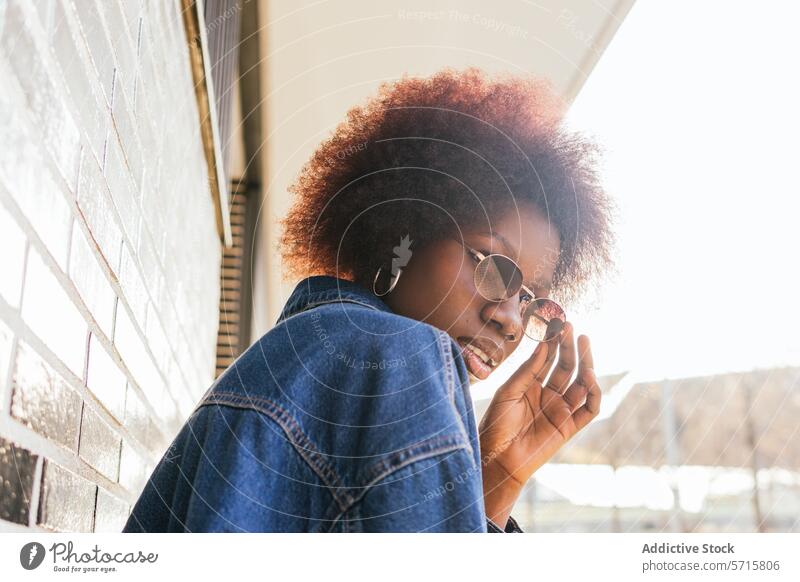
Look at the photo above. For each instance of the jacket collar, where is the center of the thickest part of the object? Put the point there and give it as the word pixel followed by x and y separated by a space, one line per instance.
pixel 320 289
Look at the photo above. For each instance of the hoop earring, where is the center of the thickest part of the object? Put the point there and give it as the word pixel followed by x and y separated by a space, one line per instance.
pixel 392 286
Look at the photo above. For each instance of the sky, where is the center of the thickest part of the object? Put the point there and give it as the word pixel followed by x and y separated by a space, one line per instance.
pixel 695 105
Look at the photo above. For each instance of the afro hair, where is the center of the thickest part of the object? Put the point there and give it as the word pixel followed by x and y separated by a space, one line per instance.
pixel 427 157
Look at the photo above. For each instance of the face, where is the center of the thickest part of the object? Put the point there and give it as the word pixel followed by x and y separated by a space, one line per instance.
pixel 437 285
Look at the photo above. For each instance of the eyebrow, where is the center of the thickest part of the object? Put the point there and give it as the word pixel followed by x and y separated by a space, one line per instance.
pixel 547 285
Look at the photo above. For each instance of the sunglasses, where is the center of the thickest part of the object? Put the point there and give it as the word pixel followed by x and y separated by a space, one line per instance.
pixel 499 278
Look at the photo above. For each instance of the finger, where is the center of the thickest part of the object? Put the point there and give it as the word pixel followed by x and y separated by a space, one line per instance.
pixel 552 353
pixel 586 358
pixel 567 359
pixel 591 408
pixel 575 395
pixel 526 376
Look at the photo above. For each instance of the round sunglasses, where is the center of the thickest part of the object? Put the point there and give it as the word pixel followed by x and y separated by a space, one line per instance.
pixel 499 278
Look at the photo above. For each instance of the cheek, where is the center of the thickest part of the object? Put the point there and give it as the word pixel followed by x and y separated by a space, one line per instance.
pixel 449 281
pixel 438 288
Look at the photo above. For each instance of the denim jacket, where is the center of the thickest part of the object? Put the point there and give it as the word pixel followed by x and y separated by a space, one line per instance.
pixel 345 417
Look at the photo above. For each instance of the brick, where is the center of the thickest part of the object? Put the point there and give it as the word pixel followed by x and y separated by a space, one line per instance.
pixel 186 404
pixel 27 177
pixel 94 200
pixel 133 14
pixel 12 241
pixel 132 474
pixel 182 302
pixel 17 473
pixel 151 266
pixel 92 285
pixel 149 101
pixel 136 358
pixel 158 341
pixel 111 513
pixel 100 51
pixel 164 403
pixel 150 140
pixel 67 500
pixel 176 379
pixel 48 213
pixel 43 401
pixel 125 127
pixel 84 91
pixel 133 287
pixel 105 379
pixel 137 419
pixel 99 445
pixel 122 188
pixel 50 313
pixel 166 410
pixel 124 47
pixel 168 316
pixel 44 98
pixel 155 39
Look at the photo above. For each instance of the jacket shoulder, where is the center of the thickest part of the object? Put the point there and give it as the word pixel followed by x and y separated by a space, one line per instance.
pixel 360 384
pixel 341 343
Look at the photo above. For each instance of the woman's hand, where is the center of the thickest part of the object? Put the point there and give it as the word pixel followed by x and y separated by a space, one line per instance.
pixel 527 422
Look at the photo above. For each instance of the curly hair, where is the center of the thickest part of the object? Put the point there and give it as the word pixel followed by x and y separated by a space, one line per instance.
pixel 429 156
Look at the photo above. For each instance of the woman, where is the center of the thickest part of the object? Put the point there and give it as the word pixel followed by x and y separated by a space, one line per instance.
pixel 429 232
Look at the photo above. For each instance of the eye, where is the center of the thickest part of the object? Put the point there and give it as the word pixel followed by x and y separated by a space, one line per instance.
pixel 525 300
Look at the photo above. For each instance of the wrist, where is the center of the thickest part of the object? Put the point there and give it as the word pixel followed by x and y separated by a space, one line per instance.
pixel 500 492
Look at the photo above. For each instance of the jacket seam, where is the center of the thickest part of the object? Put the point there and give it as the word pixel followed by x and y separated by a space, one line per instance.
pixel 398 459
pixel 445 351
pixel 454 445
pixel 451 391
pixel 308 306
pixel 300 441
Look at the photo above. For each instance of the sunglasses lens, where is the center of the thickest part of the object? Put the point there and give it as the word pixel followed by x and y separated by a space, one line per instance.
pixel 545 320
pixel 497 278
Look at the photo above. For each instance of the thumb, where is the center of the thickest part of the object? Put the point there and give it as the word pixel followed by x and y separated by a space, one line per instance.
pixel 532 371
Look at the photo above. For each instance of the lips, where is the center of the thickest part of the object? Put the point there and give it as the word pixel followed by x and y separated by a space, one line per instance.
pixel 483 360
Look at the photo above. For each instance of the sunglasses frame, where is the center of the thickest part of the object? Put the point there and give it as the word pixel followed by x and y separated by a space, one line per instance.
pixel 522 287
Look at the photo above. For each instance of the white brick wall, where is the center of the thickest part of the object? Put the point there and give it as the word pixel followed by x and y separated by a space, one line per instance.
pixel 110 256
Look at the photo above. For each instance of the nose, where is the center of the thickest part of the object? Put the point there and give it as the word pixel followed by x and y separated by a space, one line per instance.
pixel 506 316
